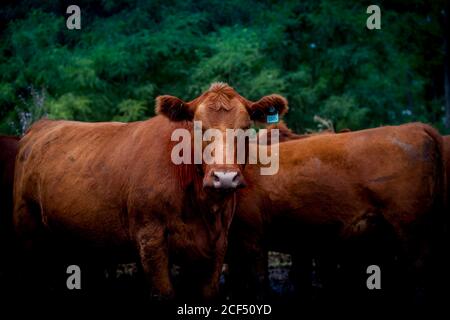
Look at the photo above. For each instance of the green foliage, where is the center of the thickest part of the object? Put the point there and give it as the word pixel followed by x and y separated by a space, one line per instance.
pixel 319 55
pixel 69 106
pixel 130 110
pixel 344 112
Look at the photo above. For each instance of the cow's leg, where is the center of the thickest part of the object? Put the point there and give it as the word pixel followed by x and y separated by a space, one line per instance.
pixel 369 242
pixel 200 281
pixel 301 274
pixel 417 268
pixel 32 262
pixel 261 279
pixel 210 286
pixel 153 252
pixel 248 271
pixel 327 268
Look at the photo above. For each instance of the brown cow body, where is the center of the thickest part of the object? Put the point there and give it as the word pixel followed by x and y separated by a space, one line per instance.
pixel 106 185
pixel 113 187
pixel 331 188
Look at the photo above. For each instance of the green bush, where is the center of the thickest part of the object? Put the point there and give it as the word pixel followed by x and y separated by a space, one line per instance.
pixel 319 55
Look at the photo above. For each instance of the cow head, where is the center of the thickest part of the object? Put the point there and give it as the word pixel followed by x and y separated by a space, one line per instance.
pixel 221 108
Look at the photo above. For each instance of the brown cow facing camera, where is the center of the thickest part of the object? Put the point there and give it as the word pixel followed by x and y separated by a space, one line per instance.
pixel 112 187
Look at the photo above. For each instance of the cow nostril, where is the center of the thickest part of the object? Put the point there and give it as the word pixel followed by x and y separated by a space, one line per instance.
pixel 225 180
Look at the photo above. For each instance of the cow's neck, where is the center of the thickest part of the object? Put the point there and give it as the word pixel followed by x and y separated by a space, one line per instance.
pixel 204 220
pixel 214 209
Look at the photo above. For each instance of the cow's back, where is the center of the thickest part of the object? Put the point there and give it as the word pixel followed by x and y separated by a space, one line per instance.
pixel 328 180
pixel 88 177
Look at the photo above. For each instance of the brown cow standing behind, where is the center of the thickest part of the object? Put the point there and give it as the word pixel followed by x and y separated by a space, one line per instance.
pixel 344 196
pixel 285 134
pixel 113 187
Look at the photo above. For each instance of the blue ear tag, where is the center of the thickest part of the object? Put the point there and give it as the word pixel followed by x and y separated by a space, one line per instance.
pixel 272 117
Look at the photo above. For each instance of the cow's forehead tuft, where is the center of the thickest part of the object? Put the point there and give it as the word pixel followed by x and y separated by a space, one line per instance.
pixel 220 86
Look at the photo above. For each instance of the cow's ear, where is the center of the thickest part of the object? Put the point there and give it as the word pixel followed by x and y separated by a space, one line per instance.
pixel 174 108
pixel 267 106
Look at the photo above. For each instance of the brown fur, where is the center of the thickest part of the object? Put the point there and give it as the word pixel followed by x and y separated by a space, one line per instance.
pixel 330 188
pixel 285 134
pixel 219 97
pixel 221 108
pixel 113 186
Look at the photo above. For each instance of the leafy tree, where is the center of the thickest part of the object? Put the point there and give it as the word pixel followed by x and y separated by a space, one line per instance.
pixel 319 54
